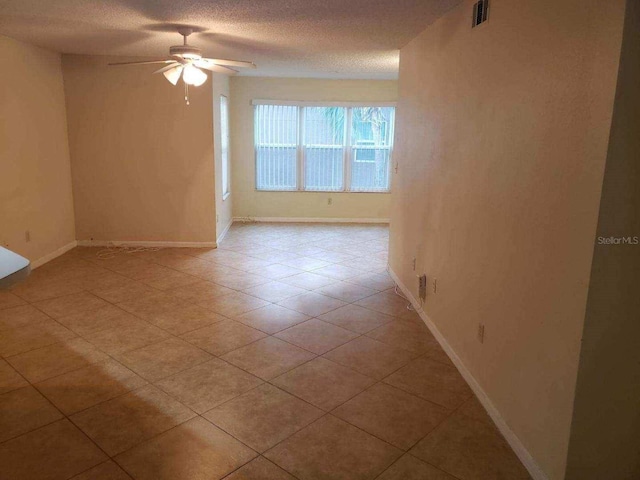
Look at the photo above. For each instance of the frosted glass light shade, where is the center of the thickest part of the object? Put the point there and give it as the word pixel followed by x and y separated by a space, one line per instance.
pixel 193 76
pixel 173 75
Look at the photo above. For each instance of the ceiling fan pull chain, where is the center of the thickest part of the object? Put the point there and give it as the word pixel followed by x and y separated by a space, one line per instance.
pixel 186 92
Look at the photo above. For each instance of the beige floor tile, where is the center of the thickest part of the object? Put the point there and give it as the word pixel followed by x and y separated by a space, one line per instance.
pixel 277 271
pixel 355 318
pixel 222 337
pixel 194 450
pixel 338 272
pixel 411 337
pixel 125 421
pixel 323 383
pixel 470 450
pixel 202 291
pixel 437 354
pixel 396 417
pixel 88 386
pixel 169 280
pixel 9 378
pixel 160 360
pixel 267 358
pixel 272 318
pixel 316 336
pixel 305 263
pixel 185 319
pixel 127 291
pixel 153 305
pixel 239 281
pixel 390 303
pixel 93 321
pixel 432 381
pixel 105 471
pixel 54 452
pixel 377 281
pixel 474 409
pixel 260 469
pixel 274 291
pixel 24 339
pixel 263 417
pixel 70 304
pixel 234 304
pixel 369 357
pixel 347 292
pixel 21 316
pixel 312 304
pixel 8 300
pixel 24 410
pixel 308 280
pixel 203 387
pixel 410 468
pixel 42 289
pixel 56 359
pixel 124 338
pixel 332 449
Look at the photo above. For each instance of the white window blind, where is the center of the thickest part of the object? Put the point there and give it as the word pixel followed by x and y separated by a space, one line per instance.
pixel 314 147
pixel 224 143
pixel 276 130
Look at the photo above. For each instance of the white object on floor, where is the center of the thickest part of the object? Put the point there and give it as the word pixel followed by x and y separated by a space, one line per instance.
pixel 13 268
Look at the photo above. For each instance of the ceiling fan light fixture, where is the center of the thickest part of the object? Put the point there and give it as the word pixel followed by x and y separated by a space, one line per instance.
pixel 193 76
pixel 173 75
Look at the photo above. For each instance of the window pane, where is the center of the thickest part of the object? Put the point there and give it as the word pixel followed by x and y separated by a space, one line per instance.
pixel 224 142
pixel 276 130
pixel 324 141
pixel 371 142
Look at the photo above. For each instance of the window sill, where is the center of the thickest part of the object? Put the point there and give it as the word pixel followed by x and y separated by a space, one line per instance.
pixel 387 192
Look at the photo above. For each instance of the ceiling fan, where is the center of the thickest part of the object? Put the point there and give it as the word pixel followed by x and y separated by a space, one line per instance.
pixel 186 61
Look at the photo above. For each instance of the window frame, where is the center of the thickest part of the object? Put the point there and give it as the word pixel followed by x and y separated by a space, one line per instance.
pixel 300 151
pixel 225 160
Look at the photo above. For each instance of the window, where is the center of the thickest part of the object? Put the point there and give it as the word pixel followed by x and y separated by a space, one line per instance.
pixel 323 148
pixel 224 144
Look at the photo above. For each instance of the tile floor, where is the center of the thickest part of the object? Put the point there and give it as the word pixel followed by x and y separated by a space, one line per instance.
pixel 283 354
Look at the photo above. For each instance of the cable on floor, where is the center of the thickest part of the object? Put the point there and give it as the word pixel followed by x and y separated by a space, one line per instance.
pixel 399 293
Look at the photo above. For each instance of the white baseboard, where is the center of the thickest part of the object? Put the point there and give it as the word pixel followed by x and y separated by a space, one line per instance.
pixel 523 454
pixel 143 243
pixel 309 220
pixel 55 254
pixel 224 232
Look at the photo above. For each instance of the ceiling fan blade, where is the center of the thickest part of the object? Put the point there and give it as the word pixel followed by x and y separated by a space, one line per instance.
pixel 230 63
pixel 149 62
pixel 212 67
pixel 168 67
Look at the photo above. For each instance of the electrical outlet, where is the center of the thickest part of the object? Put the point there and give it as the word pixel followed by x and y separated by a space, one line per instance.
pixel 27 236
pixel 414 264
pixel 435 285
pixel 481 332
pixel 330 201
pixel 422 286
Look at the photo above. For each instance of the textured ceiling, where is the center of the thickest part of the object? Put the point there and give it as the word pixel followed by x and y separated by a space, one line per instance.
pixel 305 38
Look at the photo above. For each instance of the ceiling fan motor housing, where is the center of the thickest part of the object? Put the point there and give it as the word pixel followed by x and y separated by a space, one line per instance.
pixel 186 51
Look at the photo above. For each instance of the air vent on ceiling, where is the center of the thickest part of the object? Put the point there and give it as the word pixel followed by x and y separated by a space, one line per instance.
pixel 480 11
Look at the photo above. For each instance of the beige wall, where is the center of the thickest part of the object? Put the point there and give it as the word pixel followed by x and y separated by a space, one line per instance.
pixel 501 140
pixel 247 201
pixel 224 205
pixel 142 160
pixel 35 177
pixel 605 433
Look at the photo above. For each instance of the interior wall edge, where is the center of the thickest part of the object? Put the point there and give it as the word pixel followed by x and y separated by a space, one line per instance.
pixel 144 243
pixel 53 255
pixel 512 439
pixel 309 220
